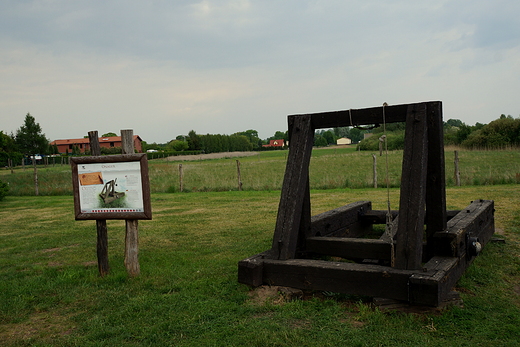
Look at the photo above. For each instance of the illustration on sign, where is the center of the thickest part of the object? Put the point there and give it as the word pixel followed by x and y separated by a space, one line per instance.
pixel 110 187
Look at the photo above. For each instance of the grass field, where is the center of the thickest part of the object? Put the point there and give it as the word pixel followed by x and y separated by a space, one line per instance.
pixel 188 294
pixel 330 168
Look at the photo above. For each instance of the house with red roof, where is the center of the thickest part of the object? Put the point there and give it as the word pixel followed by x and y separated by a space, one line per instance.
pixel 66 146
pixel 275 143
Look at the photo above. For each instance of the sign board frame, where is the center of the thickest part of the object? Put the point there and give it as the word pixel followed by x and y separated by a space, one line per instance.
pixel 88 174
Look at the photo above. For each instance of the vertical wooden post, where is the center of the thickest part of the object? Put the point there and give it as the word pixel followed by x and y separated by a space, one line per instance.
pixel 101 224
pixel 181 178
pixel 410 228
pixel 375 170
pixel 36 189
pixel 457 172
pixel 238 176
pixel 295 199
pixel 436 218
pixel 132 225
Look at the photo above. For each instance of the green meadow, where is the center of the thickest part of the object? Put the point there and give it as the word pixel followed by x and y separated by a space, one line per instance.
pixel 330 168
pixel 187 294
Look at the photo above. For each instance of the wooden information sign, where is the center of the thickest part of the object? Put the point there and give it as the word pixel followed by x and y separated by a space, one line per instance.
pixel 111 187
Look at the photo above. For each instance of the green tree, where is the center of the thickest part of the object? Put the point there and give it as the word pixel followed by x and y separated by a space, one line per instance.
pixel 454 123
pixel 319 141
pixel 356 135
pixel 252 137
pixel 329 137
pixel 110 134
pixel 177 145
pixel 30 139
pixel 501 132
pixel 193 141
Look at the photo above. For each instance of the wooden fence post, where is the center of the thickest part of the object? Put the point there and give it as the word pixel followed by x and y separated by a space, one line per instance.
pixel 101 224
pixel 36 189
pixel 132 225
pixel 238 175
pixel 181 178
pixel 457 172
pixel 375 170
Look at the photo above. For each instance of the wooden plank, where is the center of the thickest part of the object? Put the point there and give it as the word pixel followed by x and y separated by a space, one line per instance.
pixel 339 277
pixel 436 217
pixel 334 222
pixel 413 190
pixel 293 196
pixel 350 248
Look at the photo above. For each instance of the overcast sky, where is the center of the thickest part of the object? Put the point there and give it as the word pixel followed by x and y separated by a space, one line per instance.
pixel 163 68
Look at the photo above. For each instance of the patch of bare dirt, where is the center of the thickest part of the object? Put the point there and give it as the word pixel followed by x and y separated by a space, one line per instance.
pixel 211 156
pixel 274 294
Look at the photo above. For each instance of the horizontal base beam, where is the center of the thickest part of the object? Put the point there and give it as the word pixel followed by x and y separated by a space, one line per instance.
pixel 428 286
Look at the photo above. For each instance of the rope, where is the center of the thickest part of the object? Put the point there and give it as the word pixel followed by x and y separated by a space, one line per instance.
pixel 386 155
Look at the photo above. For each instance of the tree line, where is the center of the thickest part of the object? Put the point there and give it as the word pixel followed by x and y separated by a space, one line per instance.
pixel 501 133
pixel 29 139
pixel 213 143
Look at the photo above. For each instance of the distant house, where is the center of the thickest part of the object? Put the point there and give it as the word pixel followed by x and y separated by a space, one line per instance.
pixel 275 143
pixel 343 141
pixel 66 146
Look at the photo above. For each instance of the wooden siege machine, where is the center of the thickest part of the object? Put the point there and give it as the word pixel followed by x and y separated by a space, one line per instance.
pixel 425 249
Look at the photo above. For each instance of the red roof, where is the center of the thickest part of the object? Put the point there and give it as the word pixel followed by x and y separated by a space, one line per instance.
pixel 86 140
pixel 275 143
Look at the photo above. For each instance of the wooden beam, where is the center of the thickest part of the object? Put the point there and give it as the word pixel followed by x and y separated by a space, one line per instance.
pixel 334 222
pixel 379 216
pixel 294 189
pixel 354 117
pixel 436 214
pixel 413 190
pixel 250 270
pixel 339 277
pixel 476 220
pixel 432 285
pixel 350 248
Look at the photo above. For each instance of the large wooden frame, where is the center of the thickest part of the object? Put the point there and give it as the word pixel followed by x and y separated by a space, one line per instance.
pixel 145 210
pixel 428 248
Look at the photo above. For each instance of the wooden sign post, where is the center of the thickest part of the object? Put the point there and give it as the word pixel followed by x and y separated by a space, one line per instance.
pixel 113 187
pixel 132 225
pixel 101 224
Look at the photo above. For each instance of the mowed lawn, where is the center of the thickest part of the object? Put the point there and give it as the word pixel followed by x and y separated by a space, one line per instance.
pixel 188 294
